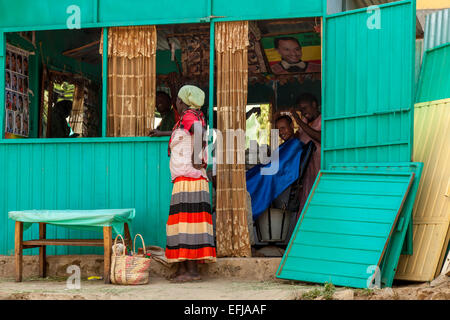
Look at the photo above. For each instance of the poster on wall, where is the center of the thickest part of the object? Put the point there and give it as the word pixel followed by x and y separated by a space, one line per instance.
pixel 16 92
pixel 293 53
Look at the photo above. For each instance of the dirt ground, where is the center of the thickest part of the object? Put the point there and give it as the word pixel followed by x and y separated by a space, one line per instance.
pixel 215 289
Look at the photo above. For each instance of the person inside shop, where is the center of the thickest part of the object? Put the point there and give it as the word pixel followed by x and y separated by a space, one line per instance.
pixel 164 107
pixel 310 130
pixel 265 187
pixel 285 127
pixel 291 53
pixel 59 128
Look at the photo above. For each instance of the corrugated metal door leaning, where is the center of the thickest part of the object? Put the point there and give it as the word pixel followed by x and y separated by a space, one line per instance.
pixel 402 238
pixel 345 227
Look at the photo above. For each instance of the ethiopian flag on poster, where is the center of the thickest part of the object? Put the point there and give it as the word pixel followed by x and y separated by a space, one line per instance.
pixel 293 53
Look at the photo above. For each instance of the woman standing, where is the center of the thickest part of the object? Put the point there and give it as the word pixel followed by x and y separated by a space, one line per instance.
pixel 189 227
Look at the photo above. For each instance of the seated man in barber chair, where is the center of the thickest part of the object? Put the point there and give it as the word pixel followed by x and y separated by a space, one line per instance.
pixel 280 189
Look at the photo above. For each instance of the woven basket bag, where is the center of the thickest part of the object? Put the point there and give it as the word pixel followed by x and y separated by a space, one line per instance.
pixel 129 270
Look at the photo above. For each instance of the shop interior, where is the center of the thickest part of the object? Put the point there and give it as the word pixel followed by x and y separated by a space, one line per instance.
pixel 67 65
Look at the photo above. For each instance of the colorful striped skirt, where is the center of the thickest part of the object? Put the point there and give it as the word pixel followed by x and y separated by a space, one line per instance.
pixel 189 227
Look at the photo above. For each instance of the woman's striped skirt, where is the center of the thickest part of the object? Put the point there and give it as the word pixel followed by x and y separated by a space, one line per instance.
pixel 189 227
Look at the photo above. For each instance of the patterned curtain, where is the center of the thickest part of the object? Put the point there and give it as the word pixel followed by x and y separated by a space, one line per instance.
pixel 131 80
pixel 232 80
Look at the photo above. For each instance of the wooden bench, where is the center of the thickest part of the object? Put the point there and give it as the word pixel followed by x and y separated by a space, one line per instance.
pixel 42 242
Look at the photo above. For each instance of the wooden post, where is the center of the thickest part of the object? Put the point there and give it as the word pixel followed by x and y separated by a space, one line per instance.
pixel 18 248
pixel 42 251
pixel 107 245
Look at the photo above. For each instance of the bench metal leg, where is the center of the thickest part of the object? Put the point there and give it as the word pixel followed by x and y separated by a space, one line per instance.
pixel 107 245
pixel 18 250
pixel 42 251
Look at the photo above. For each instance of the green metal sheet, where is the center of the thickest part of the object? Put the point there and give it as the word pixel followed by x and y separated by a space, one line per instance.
pixel 54 14
pixel 31 13
pixel 434 82
pixel 402 238
pixel 345 227
pixel 368 87
pixel 114 11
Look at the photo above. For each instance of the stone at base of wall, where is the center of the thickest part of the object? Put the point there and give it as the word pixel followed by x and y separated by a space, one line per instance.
pixel 262 269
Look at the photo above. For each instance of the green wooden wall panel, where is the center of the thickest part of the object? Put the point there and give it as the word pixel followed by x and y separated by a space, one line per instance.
pixel 329 247
pixel 368 86
pixel 71 175
pixel 434 83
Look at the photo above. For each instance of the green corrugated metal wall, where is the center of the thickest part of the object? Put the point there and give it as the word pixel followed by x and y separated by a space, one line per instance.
pixel 434 81
pixel 53 15
pixel 103 173
pixel 368 86
pixel 266 9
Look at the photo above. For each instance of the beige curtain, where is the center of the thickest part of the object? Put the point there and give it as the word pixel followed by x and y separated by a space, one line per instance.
pixel 232 80
pixel 131 80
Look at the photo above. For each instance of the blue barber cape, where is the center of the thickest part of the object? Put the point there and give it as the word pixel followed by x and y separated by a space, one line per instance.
pixel 264 189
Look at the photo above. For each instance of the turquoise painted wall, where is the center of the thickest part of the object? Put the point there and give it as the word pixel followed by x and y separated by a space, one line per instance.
pixel 53 14
pixel 369 86
pixel 86 173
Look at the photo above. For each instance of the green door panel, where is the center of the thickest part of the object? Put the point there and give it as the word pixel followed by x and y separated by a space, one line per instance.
pixel 368 86
pixel 345 226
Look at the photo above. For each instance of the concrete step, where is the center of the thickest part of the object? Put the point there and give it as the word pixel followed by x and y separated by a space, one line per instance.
pixel 261 269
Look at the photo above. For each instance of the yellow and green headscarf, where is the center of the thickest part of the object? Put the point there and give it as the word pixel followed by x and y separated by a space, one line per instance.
pixel 193 96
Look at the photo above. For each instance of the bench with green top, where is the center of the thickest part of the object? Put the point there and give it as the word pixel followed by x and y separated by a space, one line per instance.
pixel 106 220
